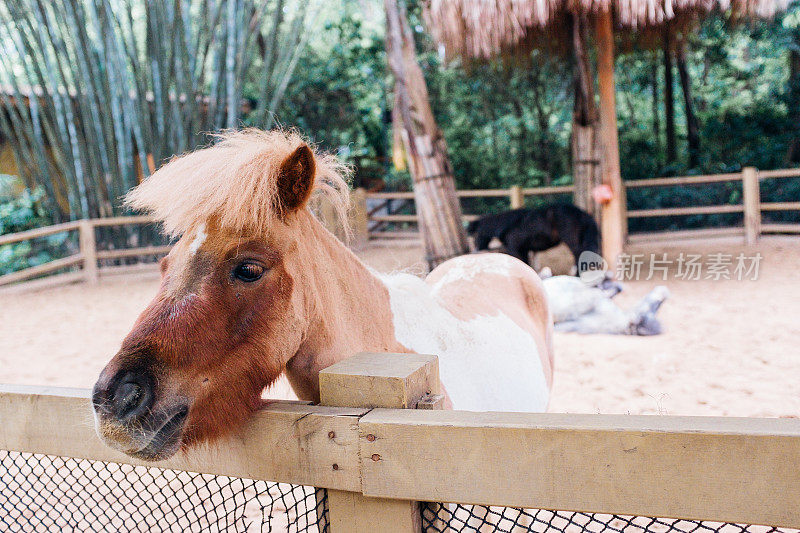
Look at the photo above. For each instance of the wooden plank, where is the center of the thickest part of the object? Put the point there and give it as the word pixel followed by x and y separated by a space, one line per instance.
pixel 684 180
pixel 44 268
pixel 479 193
pixel 780 228
pixel 386 380
pixel 350 512
pixel 377 380
pixel 400 195
pixel 751 198
pixel 516 197
pixel 38 232
pixel 88 244
pixel 780 206
pixel 781 173
pixel 681 211
pixel 133 252
pixel 556 189
pixel 683 234
pixel 394 218
pixel 482 193
pixel 122 270
pixel 48 282
pixel 697 468
pixel 394 235
pixel 613 222
pixel 123 221
pixel 286 441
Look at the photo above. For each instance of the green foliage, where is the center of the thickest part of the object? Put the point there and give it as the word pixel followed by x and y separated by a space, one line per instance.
pixel 20 213
pixel 504 123
pixel 510 123
pixel 339 97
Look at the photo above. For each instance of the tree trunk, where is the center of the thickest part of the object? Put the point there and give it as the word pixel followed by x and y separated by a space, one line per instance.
pixel 692 126
pixel 656 114
pixel 522 135
pixel 669 99
pixel 544 153
pixel 586 147
pixel 438 207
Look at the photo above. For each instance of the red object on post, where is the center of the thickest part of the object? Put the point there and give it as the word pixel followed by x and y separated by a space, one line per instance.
pixel 603 194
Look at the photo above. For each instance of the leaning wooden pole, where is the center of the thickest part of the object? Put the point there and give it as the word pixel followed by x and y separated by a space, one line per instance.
pixel 438 209
pixel 613 214
pixel 586 145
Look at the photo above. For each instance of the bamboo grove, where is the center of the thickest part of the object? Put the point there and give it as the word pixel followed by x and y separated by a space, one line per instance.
pixel 95 94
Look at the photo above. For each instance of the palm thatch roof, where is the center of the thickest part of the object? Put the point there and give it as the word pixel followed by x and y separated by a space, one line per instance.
pixel 482 29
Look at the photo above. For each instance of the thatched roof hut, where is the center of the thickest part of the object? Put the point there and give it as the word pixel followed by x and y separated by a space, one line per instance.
pixel 484 29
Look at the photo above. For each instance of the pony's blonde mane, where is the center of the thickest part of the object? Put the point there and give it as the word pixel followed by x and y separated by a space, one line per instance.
pixel 233 182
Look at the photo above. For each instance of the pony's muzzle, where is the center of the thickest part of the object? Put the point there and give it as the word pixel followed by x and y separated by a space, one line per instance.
pixel 135 418
pixel 125 397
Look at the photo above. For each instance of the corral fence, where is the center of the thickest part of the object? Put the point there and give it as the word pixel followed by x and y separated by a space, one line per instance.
pixel 384 223
pixel 89 262
pixel 374 218
pixel 378 451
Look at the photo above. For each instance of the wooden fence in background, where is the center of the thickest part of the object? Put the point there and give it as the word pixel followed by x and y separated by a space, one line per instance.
pixel 752 207
pixel 378 456
pixel 88 256
pixel 365 218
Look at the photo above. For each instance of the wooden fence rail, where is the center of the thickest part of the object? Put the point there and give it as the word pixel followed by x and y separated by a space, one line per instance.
pixel 379 461
pixel 363 218
pixel 88 256
pixel 751 206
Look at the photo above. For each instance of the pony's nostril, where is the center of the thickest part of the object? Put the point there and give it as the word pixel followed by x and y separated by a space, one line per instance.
pixel 129 396
pixel 100 400
pixel 130 399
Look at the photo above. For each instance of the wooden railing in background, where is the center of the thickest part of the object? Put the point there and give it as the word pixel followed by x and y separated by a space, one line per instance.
pixel 516 196
pixel 751 206
pixel 88 256
pixel 363 215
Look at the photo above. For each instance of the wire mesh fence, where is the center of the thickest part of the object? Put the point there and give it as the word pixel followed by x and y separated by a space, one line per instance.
pixel 51 493
pixel 443 517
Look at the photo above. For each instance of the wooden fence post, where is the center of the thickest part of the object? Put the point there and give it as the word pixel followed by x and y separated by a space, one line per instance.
pixel 359 218
pixel 751 196
pixel 399 381
pixel 516 196
pixel 88 247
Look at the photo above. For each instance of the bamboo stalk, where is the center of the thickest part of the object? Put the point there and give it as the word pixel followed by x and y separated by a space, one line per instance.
pixel 104 86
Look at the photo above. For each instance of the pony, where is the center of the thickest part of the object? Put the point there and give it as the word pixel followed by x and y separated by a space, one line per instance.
pixel 583 308
pixel 256 287
pixel 535 230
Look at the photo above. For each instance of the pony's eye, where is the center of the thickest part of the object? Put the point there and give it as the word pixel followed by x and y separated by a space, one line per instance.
pixel 248 271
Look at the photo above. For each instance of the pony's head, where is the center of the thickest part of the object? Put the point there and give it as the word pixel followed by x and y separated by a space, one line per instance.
pixel 228 315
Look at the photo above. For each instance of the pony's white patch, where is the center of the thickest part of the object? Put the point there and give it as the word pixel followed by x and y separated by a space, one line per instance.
pixel 468 267
pixel 488 363
pixel 199 239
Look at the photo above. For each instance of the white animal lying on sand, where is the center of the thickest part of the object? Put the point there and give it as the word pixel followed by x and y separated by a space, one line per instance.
pixel 582 308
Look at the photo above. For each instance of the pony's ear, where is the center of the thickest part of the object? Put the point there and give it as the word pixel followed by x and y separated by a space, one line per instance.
pixel 296 179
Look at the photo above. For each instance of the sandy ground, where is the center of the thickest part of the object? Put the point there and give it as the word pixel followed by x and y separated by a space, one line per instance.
pixel 730 347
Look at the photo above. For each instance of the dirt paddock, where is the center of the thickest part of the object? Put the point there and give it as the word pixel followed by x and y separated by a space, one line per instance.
pixel 730 347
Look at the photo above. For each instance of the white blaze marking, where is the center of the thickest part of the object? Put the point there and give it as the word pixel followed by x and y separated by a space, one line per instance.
pixel 488 363
pixel 199 239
